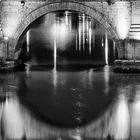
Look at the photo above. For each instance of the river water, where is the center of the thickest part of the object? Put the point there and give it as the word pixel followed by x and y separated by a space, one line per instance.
pixel 70 103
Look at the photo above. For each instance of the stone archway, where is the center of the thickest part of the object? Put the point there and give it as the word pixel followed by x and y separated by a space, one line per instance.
pixel 57 6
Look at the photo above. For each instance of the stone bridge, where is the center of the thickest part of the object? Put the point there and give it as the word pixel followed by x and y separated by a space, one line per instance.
pixel 121 18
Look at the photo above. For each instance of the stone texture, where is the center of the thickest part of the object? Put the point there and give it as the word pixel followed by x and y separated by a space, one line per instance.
pixel 2 45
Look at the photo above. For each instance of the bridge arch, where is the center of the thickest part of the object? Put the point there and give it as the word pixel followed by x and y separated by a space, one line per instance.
pixel 57 6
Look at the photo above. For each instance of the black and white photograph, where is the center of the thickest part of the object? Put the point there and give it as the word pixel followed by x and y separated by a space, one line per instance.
pixel 69 69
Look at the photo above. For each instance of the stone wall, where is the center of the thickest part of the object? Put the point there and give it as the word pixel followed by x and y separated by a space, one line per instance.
pixel 2 49
pixel 133 50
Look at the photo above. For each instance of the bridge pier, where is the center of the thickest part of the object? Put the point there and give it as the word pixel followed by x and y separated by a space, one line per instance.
pixel 128 56
pixel 6 49
pixel 2 48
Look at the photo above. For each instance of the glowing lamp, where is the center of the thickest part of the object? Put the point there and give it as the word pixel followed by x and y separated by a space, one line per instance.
pixel 6 38
pixel 122 18
pixel 123 28
pixel 59 30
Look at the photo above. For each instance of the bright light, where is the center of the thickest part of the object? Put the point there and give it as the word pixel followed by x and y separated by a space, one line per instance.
pixel 77 136
pixel 55 54
pixel 122 19
pixel 10 25
pixel 6 38
pixel 13 120
pixel 83 18
pixel 28 39
pixel 123 28
pixel 135 36
pixel 59 31
pixel 63 31
pixel 66 17
pixel 54 77
pixel 90 36
pixel 106 48
pixel 135 123
pixel 122 119
pixel 79 31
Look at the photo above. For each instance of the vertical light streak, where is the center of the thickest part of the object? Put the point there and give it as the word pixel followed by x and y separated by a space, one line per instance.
pixel 28 40
pixel 90 34
pixel 55 79
pixel 122 119
pixel 102 42
pixel 7 47
pixel 90 78
pixel 135 115
pixel 79 35
pixel 87 24
pixel 55 54
pixel 70 21
pixel 66 18
pixel 87 34
pixel 27 69
pixel 13 120
pixel 76 43
pixel 106 48
pixel 106 78
pixel 83 17
pixel 55 59
pixel 114 49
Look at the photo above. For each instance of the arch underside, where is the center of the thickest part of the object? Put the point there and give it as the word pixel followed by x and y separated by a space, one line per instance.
pixel 72 6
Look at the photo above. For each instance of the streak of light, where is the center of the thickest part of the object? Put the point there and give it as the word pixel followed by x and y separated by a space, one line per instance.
pixel 66 17
pixel 28 40
pixel 106 48
pixel 90 34
pixel 55 54
pixel 76 43
pixel 83 17
pixel 79 37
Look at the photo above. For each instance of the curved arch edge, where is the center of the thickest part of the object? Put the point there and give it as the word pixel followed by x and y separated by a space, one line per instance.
pixel 73 6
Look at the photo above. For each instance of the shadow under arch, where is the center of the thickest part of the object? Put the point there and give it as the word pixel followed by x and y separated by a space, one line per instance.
pixel 58 6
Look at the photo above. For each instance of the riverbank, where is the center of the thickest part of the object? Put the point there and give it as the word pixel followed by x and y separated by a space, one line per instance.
pixel 127 66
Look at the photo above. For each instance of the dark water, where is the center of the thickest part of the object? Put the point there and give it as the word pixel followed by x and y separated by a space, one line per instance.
pixel 71 104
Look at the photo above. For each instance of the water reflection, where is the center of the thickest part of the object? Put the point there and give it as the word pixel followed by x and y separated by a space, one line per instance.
pixel 55 78
pixel 135 110
pixel 77 99
pixel 121 119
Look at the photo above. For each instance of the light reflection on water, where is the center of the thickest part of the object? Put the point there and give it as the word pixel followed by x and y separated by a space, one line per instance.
pixel 119 120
